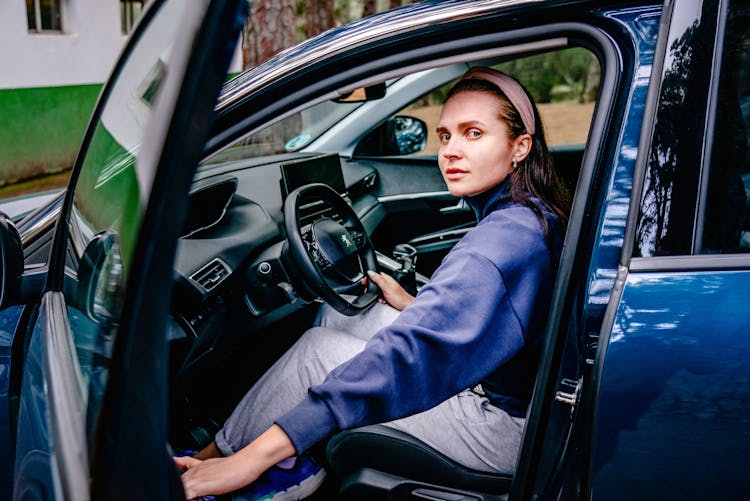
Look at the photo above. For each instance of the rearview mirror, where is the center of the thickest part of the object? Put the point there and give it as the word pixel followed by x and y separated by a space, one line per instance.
pixel 362 94
pixel 11 261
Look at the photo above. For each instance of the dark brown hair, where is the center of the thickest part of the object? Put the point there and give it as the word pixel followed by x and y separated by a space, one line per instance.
pixel 536 177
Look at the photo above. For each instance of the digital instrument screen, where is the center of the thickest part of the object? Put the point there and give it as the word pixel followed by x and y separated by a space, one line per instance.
pixel 324 169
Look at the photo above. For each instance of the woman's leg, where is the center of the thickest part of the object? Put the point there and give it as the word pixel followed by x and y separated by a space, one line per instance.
pixel 470 430
pixel 285 384
pixel 363 325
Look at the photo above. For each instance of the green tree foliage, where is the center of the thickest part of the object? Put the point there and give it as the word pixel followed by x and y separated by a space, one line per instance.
pixel 555 76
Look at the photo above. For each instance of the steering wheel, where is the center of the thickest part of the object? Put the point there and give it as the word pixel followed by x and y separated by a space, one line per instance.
pixel 332 256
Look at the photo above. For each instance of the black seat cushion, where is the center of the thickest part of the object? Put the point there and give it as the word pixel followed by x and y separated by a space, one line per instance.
pixel 384 449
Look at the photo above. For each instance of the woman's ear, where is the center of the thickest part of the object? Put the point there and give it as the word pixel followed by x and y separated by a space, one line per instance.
pixel 522 147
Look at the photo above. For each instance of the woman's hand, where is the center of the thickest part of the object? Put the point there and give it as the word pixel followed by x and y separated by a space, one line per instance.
pixel 393 293
pixel 222 475
pixel 215 476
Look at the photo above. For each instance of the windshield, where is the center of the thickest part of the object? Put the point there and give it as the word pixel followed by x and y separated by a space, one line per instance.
pixel 291 133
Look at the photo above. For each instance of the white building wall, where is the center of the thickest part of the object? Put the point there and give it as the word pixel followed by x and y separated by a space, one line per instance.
pixel 83 53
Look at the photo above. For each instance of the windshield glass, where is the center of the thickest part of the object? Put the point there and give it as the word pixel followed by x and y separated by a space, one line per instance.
pixel 291 133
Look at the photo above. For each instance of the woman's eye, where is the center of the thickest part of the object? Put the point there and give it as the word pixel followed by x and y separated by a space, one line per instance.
pixel 444 137
pixel 474 133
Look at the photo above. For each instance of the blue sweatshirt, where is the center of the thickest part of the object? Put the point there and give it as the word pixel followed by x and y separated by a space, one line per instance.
pixel 479 320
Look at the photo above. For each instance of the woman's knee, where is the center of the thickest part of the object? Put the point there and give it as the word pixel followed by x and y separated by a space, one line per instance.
pixel 326 343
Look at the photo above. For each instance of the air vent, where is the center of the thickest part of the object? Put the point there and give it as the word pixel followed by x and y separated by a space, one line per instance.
pixel 309 213
pixel 211 275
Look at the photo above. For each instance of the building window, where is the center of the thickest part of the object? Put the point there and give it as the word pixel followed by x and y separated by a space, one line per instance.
pixel 130 10
pixel 44 15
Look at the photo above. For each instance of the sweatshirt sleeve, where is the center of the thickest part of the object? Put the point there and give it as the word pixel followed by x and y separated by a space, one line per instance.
pixel 461 327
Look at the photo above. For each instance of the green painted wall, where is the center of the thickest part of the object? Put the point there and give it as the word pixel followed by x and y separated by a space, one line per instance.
pixel 41 129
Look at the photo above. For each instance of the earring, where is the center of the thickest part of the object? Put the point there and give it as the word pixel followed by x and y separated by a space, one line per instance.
pixel 515 164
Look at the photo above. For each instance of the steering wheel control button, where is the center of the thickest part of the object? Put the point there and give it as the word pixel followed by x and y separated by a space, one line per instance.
pixel 337 246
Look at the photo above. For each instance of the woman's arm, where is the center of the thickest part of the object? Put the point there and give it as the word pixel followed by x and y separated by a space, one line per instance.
pixel 222 475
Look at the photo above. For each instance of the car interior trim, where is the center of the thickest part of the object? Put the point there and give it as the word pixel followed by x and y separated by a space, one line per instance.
pixel 66 396
pixel 412 196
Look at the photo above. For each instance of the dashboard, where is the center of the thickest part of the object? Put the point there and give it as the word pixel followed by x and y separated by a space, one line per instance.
pixel 232 248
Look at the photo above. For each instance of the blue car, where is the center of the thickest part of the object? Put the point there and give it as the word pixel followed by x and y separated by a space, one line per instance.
pixel 139 305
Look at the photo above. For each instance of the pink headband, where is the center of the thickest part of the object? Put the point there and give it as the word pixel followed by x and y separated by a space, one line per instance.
pixel 512 90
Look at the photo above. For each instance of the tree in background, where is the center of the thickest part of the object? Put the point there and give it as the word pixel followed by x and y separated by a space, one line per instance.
pixel 319 16
pixel 271 27
pixel 275 25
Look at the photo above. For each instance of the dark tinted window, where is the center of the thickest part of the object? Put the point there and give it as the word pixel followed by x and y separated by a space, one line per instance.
pixel 697 180
pixel 724 217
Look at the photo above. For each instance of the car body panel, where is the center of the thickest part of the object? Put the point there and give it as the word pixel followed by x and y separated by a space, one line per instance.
pixel 674 389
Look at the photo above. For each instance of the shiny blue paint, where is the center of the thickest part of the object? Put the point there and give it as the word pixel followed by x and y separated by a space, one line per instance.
pixel 674 407
pixel 643 25
pixel 8 323
pixel 34 462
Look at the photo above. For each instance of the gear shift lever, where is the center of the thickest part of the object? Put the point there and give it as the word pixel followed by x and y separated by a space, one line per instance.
pixel 406 255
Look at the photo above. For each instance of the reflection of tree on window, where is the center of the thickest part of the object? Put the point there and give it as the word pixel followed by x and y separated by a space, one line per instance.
pixel 43 15
pixel 670 188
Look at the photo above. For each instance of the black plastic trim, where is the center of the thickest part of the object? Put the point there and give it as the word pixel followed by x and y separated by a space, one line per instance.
pixel 710 125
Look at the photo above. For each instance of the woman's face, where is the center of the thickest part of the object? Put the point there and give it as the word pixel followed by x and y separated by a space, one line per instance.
pixel 475 152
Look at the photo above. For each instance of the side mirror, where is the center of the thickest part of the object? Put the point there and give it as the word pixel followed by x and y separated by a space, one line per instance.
pixel 363 94
pixel 399 135
pixel 11 261
pixel 100 277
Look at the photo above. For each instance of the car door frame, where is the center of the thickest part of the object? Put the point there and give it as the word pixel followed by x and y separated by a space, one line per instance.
pixel 181 119
pixel 586 206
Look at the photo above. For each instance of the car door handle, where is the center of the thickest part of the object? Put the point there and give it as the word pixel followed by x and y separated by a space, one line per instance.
pixel 460 206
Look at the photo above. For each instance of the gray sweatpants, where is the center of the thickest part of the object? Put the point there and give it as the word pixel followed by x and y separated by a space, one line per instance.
pixel 466 427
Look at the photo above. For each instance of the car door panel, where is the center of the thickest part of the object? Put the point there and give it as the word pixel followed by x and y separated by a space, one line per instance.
pixel 84 400
pixel 672 382
pixel 669 405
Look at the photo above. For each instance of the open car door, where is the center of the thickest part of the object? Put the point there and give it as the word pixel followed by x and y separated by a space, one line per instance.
pixel 93 400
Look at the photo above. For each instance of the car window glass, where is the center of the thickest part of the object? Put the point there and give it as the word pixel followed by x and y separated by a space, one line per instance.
pixel 288 134
pixel 108 204
pixel 726 218
pixel 670 189
pixel 563 83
